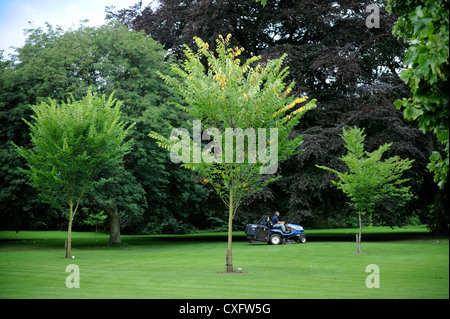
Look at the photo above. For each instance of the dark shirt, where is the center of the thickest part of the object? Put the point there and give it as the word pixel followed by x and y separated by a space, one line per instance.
pixel 275 219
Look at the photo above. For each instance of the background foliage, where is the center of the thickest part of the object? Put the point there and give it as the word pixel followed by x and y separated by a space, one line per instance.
pixel 424 25
pixel 351 70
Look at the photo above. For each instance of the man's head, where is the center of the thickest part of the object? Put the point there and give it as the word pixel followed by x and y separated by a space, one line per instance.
pixel 277 213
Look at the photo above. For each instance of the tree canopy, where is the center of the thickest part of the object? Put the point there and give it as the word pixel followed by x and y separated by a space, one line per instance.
pixel 72 143
pixel 369 178
pixel 55 63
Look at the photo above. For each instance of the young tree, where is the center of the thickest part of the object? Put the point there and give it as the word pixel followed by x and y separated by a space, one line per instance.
pixel 72 143
pixel 234 100
pixel 96 219
pixel 369 178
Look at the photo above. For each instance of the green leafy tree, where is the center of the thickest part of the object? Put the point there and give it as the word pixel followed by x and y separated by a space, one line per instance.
pixel 232 100
pixel 55 63
pixel 369 179
pixel 72 143
pixel 424 26
pixel 120 196
pixel 96 219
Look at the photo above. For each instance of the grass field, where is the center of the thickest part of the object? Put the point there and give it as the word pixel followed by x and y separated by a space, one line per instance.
pixel 412 264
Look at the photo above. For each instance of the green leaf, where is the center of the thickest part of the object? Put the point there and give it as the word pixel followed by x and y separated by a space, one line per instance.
pixel 435 156
pixel 412 112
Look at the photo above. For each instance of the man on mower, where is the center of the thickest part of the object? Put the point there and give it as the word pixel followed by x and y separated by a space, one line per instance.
pixel 278 224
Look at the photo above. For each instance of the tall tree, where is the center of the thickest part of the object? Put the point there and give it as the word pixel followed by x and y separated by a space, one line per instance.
pixel 234 100
pixel 56 63
pixel 369 179
pixel 72 143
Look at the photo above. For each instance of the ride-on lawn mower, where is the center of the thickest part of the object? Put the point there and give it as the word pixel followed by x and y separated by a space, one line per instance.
pixel 263 231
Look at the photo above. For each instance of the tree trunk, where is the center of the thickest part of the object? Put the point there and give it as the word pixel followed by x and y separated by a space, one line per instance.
pixel 228 257
pixel 441 213
pixel 114 224
pixel 69 233
pixel 72 212
pixel 358 238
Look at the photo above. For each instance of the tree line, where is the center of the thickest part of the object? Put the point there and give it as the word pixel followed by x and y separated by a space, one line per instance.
pixel 332 56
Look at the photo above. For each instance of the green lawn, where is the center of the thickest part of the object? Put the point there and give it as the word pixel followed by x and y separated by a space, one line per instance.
pixel 32 265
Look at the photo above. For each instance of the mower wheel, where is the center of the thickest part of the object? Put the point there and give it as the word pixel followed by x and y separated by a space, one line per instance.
pixel 275 239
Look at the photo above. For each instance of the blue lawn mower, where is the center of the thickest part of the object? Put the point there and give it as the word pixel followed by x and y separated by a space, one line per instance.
pixel 263 231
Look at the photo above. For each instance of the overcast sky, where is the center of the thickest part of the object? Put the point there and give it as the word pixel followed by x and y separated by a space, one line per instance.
pixel 16 14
